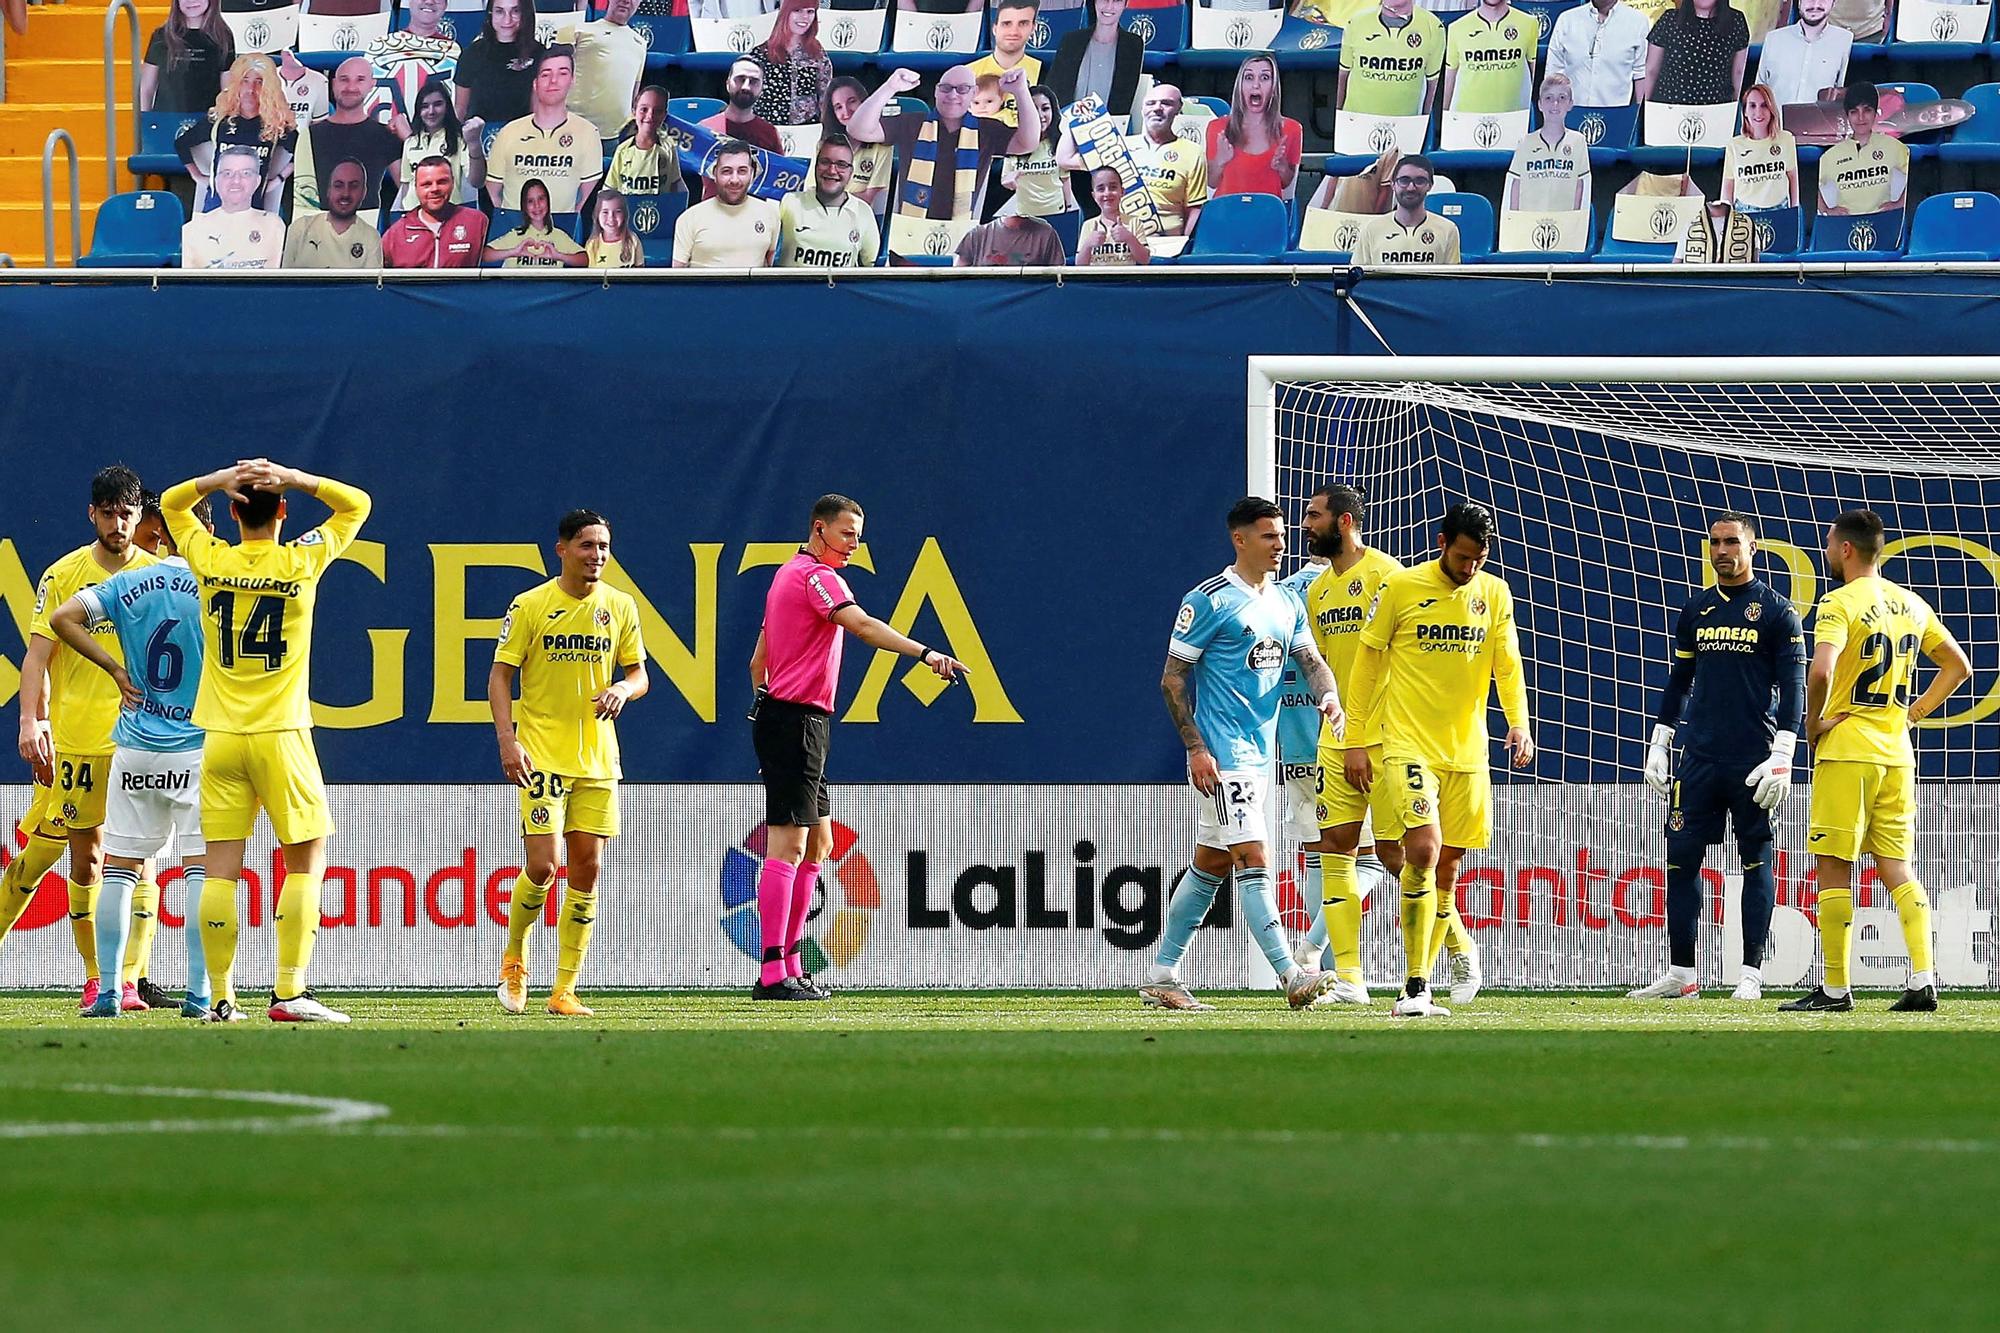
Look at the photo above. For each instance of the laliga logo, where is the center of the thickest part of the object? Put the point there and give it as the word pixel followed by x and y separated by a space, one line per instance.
pixel 1238 33
pixel 1546 235
pixel 1041 35
pixel 1381 137
pixel 841 35
pixel 1486 133
pixel 1142 28
pixel 937 241
pixel 939 36
pixel 256 34
pixel 741 39
pixel 1313 40
pixel 646 219
pixel 1862 237
pixel 1592 129
pixel 838 940
pixel 1767 236
pixel 1944 25
pixel 1662 222
pixel 346 37
pixel 1693 129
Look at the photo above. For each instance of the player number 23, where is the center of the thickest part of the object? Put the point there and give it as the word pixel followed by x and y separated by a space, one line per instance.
pixel 1882 658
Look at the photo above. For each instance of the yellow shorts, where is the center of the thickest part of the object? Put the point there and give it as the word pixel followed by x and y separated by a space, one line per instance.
pixel 552 803
pixel 275 771
pixel 75 804
pixel 1861 807
pixel 1460 804
pixel 1340 803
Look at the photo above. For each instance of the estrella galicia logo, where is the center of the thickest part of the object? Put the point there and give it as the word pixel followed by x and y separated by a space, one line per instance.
pixel 1265 655
pixel 834 934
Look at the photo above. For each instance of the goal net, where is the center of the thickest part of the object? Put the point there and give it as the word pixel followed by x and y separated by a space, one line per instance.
pixel 1604 475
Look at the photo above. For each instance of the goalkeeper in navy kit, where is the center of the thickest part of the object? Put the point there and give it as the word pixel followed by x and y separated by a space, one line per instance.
pixel 1737 692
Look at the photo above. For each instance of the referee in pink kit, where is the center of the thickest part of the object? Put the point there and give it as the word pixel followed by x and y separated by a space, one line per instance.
pixel 795 670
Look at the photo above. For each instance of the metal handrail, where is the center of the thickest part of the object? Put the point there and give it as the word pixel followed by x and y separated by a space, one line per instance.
pixel 49 200
pixel 131 12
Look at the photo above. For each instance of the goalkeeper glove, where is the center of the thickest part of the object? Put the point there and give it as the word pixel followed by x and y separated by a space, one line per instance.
pixel 1773 777
pixel 1660 761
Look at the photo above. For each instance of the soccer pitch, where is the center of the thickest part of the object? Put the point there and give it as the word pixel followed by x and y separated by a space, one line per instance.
pixel 1003 1161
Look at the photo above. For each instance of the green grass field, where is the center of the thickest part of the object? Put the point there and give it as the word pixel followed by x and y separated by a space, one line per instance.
pixel 1003 1161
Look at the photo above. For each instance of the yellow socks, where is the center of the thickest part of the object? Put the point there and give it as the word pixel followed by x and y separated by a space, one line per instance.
pixel 1836 932
pixel 524 911
pixel 145 921
pixel 297 919
pixel 83 925
pixel 1340 903
pixel 218 936
pixel 24 875
pixel 1419 912
pixel 573 927
pixel 1913 908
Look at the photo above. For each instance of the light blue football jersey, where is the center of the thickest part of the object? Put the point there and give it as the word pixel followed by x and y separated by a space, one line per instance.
pixel 1239 639
pixel 156 612
pixel 1298 706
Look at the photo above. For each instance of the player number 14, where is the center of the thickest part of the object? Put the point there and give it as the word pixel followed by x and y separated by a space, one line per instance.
pixel 263 630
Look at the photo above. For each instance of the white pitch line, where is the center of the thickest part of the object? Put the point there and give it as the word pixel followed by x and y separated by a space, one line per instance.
pixel 332 1113
pixel 1283 1138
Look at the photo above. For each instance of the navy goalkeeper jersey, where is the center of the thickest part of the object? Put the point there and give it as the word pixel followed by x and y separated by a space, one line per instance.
pixel 1740 665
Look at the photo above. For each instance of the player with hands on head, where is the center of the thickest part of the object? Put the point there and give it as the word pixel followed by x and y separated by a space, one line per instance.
pixel 794 671
pixel 255 709
pixel 1223 684
pixel 1440 633
pixel 1736 691
pixel 574 642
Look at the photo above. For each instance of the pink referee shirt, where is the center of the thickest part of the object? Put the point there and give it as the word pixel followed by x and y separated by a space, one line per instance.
pixel 801 642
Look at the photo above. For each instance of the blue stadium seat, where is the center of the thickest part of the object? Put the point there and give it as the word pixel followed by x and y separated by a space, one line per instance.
pixel 1963 46
pixel 1068 228
pixel 156 155
pixel 1615 251
pixel 1239 229
pixel 1960 227
pixel 1978 139
pixel 140 229
pixel 1472 214
pixel 666 39
pixel 1925 142
pixel 1611 132
pixel 1781 232
pixel 652 218
pixel 1859 238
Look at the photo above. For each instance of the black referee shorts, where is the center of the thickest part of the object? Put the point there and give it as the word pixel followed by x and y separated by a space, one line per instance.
pixel 791 741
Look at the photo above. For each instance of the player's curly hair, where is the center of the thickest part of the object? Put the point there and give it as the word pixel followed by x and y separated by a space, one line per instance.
pixel 1468 519
pixel 116 485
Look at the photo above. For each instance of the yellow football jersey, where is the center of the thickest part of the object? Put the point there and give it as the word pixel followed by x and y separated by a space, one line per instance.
pixel 83 701
pixel 568 649
pixel 1337 605
pixel 257 611
pixel 1445 644
pixel 1878 629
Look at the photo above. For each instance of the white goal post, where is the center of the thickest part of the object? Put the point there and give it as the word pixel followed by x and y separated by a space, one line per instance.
pixel 1603 473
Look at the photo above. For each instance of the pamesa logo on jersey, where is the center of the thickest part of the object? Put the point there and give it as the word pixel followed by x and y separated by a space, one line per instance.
pixel 835 937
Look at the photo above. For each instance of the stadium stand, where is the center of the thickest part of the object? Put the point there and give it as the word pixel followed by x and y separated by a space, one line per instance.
pixel 1931 70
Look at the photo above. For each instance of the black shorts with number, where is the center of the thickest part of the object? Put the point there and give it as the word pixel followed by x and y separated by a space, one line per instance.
pixel 791 741
pixel 1707 793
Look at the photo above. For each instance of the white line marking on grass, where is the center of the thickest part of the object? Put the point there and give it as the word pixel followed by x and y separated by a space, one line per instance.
pixel 331 1113
pixel 1277 1138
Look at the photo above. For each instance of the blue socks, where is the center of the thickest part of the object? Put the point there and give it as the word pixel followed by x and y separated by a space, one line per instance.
pixel 192 879
pixel 1184 916
pixel 114 923
pixel 1260 914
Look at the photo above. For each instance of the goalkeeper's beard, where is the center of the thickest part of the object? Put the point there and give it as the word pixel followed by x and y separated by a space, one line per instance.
pixel 1327 547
